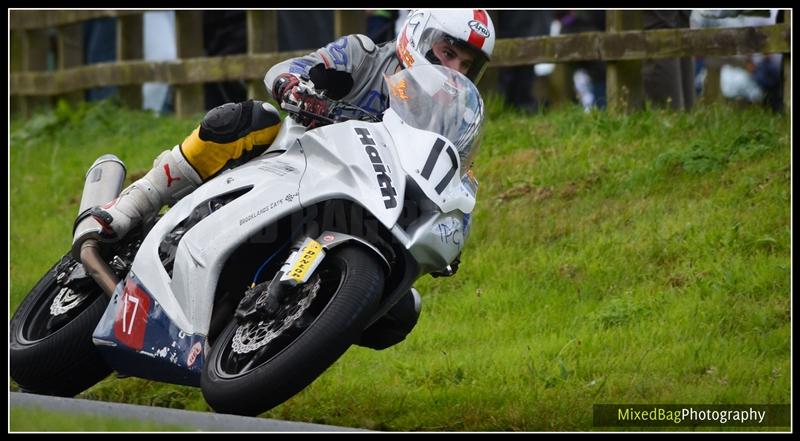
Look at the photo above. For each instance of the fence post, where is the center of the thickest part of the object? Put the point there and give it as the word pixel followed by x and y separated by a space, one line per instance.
pixel 189 98
pixel 130 46
pixel 346 22
pixel 559 85
pixel 70 54
pixel 712 91
pixel 19 105
pixel 262 37
pixel 624 78
pixel 34 46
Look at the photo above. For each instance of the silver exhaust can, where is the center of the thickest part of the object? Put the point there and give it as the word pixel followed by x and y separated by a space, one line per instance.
pixel 103 183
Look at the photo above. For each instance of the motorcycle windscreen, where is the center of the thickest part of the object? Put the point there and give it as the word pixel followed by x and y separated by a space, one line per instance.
pixel 434 164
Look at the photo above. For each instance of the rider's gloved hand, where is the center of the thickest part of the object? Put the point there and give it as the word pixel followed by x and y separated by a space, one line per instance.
pixel 283 87
pixel 295 92
pixel 316 105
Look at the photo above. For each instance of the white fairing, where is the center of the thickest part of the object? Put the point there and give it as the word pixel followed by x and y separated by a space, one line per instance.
pixel 287 135
pixel 368 163
pixel 356 161
pixel 188 296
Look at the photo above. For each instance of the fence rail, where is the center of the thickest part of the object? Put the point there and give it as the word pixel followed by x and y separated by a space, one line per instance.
pixel 29 79
pixel 25 20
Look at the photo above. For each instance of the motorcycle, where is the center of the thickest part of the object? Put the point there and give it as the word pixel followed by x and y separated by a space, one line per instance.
pixel 255 283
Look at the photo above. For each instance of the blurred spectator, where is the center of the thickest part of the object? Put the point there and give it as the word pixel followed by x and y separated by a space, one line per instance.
pixel 224 33
pixel 159 45
pixel 380 25
pixel 294 26
pixel 516 83
pixel 768 74
pixel 754 78
pixel 100 45
pixel 668 81
pixel 589 77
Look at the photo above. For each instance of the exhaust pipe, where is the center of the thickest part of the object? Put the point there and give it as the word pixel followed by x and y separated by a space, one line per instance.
pixel 96 267
pixel 103 183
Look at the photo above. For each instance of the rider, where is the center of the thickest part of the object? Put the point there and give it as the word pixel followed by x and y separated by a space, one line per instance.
pixel 350 69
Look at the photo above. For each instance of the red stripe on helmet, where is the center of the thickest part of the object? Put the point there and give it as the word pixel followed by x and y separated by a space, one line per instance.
pixel 475 39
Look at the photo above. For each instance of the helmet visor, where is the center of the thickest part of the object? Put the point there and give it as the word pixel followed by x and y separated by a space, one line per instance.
pixel 444 49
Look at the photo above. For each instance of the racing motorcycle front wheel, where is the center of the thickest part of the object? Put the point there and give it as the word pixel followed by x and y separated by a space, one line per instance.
pixel 257 365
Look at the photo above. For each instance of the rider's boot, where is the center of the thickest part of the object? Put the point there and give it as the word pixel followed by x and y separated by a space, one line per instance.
pixel 171 178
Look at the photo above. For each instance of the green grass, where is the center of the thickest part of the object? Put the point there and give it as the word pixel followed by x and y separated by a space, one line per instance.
pixel 33 419
pixel 613 259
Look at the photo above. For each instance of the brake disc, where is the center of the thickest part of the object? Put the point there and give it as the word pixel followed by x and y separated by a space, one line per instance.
pixel 253 335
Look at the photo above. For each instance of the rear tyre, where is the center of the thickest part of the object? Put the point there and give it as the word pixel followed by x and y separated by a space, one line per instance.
pixel 50 342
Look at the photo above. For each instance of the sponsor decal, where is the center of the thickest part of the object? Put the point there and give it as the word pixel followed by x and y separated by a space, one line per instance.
pixel 271 206
pixel 197 348
pixel 169 176
pixel 388 191
pixel 449 232
pixel 479 28
pixel 279 168
pixel 338 51
pixel 408 59
pixel 308 255
pixel 301 66
pixel 399 90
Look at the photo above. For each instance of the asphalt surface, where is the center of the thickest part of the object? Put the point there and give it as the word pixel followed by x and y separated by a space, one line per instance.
pixel 202 421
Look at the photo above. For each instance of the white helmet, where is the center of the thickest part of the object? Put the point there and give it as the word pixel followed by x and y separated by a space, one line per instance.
pixel 469 29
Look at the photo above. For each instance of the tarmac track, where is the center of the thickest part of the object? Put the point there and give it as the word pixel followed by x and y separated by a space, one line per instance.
pixel 202 421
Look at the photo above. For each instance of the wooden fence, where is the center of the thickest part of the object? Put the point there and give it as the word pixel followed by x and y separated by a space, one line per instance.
pixel 621 46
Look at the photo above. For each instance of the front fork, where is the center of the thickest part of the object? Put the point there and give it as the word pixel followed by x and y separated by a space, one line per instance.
pixel 263 300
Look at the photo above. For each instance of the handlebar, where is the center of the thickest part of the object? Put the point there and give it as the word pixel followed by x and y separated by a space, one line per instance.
pixel 333 111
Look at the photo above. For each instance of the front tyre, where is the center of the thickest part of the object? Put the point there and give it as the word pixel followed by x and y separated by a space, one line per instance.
pixel 50 342
pixel 255 366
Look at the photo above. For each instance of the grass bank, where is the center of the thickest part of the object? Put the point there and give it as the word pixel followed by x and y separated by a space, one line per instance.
pixel 633 259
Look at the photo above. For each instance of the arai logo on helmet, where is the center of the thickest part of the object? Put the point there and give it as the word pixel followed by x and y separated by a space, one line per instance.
pixel 479 28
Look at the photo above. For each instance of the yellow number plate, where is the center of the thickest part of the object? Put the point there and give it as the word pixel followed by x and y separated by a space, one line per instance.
pixel 306 258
